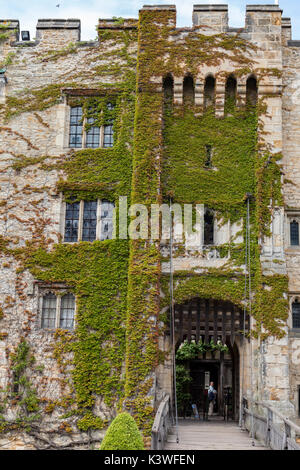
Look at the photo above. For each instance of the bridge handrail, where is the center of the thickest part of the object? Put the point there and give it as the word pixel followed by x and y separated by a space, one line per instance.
pixel 161 425
pixel 274 436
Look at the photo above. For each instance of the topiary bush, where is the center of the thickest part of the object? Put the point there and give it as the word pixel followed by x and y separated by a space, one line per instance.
pixel 123 434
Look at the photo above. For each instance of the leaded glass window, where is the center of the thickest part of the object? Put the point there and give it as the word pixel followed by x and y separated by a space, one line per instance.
pixel 72 222
pixel 294 232
pixel 49 311
pixel 107 227
pixel 108 132
pixel 76 127
pixel 67 310
pixel 89 221
pixel 92 135
pixel 296 314
pixel 108 136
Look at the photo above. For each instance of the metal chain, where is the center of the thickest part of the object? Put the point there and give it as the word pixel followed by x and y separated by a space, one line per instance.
pixel 172 315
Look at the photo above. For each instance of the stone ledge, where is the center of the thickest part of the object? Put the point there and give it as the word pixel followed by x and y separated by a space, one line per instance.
pixel 264 8
pixel 35 43
pixel 210 7
pixel 58 24
pixel 294 333
pixel 114 23
pixel 286 22
pixel 294 43
pixel 24 43
pixel 159 7
pixel 11 24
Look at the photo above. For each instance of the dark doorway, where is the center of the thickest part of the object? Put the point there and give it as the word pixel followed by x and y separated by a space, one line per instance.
pixel 202 374
pixel 206 332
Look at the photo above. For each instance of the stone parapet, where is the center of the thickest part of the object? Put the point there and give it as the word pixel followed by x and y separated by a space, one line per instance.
pixel 11 25
pixel 215 17
pixel 58 30
pixel 286 30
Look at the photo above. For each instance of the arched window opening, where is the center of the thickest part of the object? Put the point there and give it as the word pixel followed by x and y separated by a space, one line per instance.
pixel 230 94
pixel 208 156
pixel 67 309
pixel 296 314
pixel 188 91
pixel 251 91
pixel 209 92
pixel 208 227
pixel 294 233
pixel 168 90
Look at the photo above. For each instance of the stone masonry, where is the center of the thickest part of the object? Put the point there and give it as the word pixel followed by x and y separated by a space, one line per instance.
pixel 31 207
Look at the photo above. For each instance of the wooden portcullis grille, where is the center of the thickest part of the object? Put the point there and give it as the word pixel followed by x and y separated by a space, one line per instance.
pixel 209 319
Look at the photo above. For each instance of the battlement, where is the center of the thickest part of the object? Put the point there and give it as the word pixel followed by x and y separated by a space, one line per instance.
pixel 12 26
pixel 58 29
pixel 262 22
pixel 116 23
pixel 213 16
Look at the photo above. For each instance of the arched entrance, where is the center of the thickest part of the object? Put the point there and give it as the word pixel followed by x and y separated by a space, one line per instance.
pixel 207 334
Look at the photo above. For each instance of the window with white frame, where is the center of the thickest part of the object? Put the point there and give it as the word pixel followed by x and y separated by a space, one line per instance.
pixel 85 133
pixel 89 221
pixel 58 311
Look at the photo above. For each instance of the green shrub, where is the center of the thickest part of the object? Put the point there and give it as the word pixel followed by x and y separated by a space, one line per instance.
pixel 123 434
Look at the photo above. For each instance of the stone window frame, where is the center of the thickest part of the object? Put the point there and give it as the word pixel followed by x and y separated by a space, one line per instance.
pixel 290 217
pixel 64 112
pixel 59 290
pixel 80 221
pixel 84 133
pixel 292 298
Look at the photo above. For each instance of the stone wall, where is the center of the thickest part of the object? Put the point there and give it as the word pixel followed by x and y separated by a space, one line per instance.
pixel 291 170
pixel 31 208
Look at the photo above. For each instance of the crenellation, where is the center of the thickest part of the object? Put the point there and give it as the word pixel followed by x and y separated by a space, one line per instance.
pixel 13 26
pixel 213 17
pixel 58 32
pixel 286 31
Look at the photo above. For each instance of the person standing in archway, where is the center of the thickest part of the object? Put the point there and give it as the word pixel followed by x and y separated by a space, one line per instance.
pixel 212 392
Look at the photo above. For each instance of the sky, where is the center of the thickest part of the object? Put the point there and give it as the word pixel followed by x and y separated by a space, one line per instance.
pixel 88 11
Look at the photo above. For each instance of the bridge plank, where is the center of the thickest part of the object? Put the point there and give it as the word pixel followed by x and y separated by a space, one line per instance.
pixel 211 435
